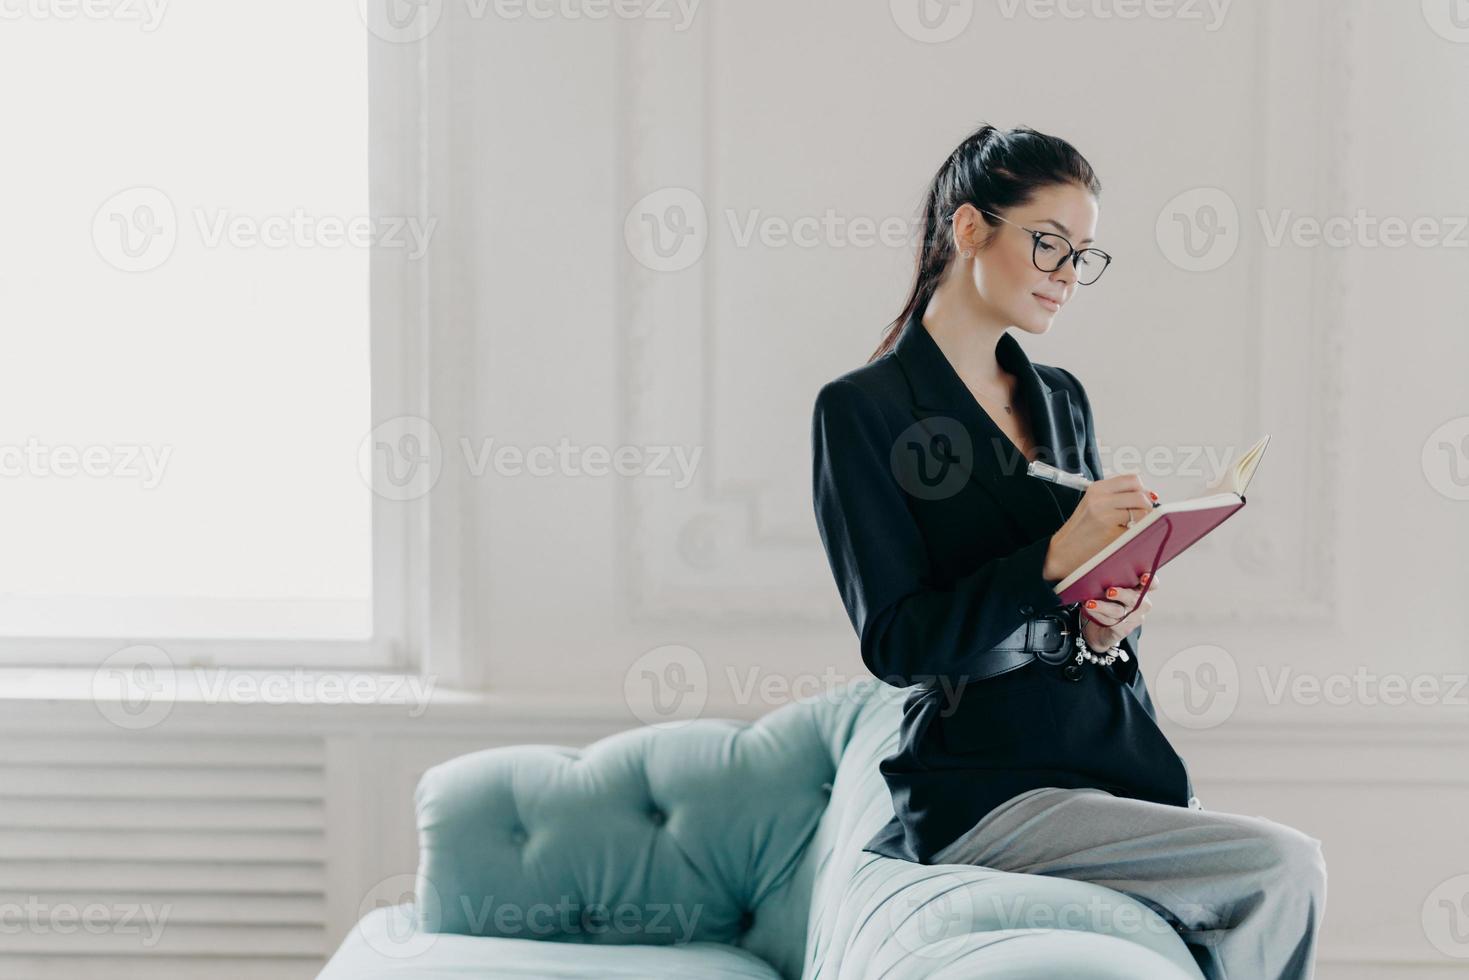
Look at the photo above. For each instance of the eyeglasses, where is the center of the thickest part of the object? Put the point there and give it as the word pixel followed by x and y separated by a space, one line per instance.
pixel 1050 251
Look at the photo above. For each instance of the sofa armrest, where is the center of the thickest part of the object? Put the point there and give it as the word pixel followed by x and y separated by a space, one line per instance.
pixel 914 920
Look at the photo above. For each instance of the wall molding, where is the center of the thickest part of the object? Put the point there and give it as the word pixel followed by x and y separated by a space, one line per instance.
pixel 709 554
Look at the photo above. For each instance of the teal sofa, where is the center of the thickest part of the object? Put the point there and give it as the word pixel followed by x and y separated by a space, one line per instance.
pixel 723 849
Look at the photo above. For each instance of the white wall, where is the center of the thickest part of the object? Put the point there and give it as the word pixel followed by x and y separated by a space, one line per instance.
pixel 1350 554
pixel 1351 549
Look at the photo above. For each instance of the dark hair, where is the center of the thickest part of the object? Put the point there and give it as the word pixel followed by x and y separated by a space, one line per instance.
pixel 992 170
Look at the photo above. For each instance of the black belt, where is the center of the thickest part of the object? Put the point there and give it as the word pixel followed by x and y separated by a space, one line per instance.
pixel 1045 638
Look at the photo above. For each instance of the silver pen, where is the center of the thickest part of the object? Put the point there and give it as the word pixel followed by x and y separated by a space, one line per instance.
pixel 1044 471
pixel 1049 473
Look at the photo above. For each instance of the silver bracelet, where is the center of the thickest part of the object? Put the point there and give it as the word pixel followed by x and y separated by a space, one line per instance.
pixel 1084 653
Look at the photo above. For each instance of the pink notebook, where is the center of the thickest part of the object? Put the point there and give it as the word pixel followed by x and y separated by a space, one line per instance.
pixel 1162 536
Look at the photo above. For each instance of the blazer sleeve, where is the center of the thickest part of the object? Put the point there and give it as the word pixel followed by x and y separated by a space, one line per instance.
pixel 911 630
pixel 1128 670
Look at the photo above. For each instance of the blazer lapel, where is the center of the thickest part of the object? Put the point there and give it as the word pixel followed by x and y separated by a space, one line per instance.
pixel 994 462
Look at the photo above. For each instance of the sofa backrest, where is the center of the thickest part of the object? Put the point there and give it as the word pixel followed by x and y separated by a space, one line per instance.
pixel 713 830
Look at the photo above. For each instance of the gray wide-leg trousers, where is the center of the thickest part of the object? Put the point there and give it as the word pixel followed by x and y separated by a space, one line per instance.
pixel 1245 893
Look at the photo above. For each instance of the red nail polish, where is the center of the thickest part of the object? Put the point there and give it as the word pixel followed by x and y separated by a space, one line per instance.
pixel 1111 593
pixel 1145 577
pixel 1091 604
pixel 1152 494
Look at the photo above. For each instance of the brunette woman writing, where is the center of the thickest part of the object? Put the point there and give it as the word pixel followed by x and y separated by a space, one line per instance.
pixel 1029 742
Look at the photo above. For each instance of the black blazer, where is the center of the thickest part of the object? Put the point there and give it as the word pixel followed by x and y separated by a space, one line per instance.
pixel 937 538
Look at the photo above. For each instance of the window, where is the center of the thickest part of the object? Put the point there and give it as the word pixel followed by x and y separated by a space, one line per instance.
pixel 186 309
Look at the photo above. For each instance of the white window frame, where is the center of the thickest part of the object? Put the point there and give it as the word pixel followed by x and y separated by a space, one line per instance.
pixel 418 369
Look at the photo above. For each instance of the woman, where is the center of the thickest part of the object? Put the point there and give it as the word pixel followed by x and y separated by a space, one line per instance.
pixel 1029 742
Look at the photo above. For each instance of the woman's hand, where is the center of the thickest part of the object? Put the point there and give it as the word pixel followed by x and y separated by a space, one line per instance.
pixel 1100 516
pixel 1102 623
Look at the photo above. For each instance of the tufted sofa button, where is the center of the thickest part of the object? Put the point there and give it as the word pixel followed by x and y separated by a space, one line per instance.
pixel 518 835
pixel 747 919
pixel 658 817
pixel 826 788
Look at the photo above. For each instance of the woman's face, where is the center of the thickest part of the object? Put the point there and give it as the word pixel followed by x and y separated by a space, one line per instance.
pixel 1009 286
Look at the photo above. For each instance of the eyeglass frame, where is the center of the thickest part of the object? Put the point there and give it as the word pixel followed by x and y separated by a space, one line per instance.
pixel 1073 253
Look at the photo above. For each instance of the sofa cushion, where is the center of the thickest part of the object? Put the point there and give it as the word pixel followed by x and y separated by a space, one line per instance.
pixel 385 945
pixel 692 832
pixel 750 834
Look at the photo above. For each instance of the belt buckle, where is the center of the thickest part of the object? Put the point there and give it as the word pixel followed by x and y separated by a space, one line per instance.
pixel 1053 657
